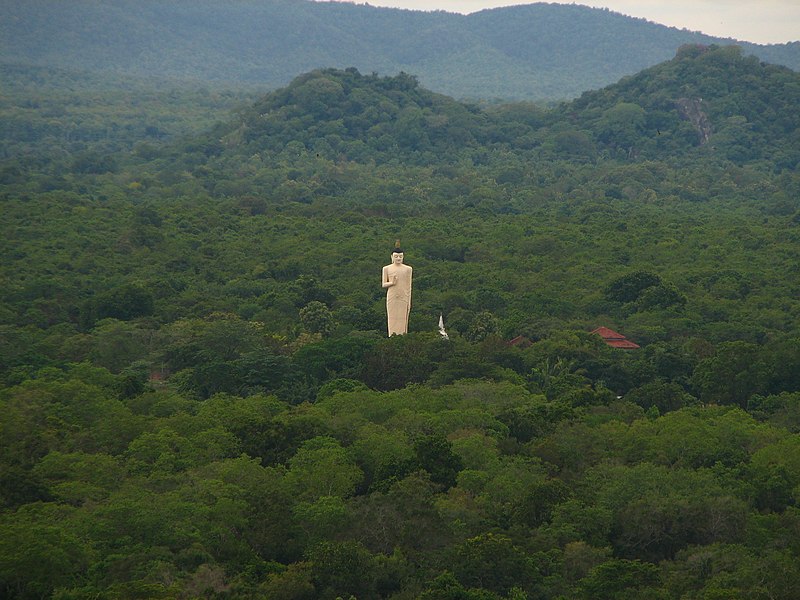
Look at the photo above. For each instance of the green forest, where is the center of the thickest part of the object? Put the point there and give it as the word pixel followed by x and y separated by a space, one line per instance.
pixel 198 398
pixel 541 51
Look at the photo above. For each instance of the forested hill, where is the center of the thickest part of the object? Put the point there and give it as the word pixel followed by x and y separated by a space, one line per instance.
pixel 537 51
pixel 710 102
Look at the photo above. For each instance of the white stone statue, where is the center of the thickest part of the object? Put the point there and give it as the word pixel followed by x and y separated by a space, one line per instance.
pixel 397 282
pixel 442 331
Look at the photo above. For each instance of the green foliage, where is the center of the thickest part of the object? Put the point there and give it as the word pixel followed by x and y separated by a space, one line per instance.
pixel 435 455
pixel 617 578
pixel 493 563
pixel 629 287
pixel 343 569
pixel 664 396
pixel 124 302
pixel 316 318
pixel 322 468
pixel 37 554
pixel 732 375
pixel 198 398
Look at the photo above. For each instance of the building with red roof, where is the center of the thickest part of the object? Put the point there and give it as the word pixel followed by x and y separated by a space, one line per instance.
pixel 614 339
pixel 520 342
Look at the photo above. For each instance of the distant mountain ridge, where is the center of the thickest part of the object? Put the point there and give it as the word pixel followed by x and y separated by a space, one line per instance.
pixel 536 51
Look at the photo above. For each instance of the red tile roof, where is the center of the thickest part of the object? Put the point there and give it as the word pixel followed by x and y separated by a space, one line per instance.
pixel 608 334
pixel 614 339
pixel 624 344
pixel 520 341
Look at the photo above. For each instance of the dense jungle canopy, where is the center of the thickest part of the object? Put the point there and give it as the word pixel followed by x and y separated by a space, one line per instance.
pixel 198 399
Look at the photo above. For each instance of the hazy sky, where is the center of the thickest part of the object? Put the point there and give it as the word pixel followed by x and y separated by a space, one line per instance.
pixel 760 21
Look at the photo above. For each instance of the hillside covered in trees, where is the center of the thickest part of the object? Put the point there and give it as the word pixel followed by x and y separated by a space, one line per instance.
pixel 198 399
pixel 536 51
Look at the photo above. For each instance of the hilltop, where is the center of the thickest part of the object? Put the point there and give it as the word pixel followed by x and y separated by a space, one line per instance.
pixel 710 102
pixel 537 51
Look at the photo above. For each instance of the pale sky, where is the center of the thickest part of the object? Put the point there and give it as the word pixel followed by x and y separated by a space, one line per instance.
pixel 759 21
